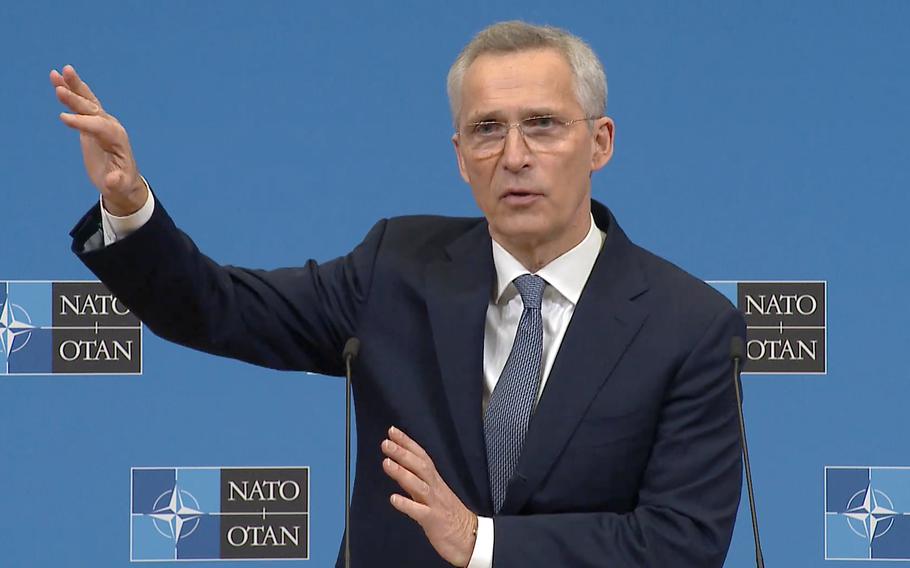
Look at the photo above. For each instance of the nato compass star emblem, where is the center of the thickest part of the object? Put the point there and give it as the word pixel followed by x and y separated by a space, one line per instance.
pixel 176 514
pixel 15 327
pixel 870 513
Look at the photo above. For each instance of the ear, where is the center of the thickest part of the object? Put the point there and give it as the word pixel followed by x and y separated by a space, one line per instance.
pixel 604 131
pixel 458 155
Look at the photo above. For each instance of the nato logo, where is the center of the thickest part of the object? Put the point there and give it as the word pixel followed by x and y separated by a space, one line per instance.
pixel 786 325
pixel 867 513
pixel 63 328
pixel 212 513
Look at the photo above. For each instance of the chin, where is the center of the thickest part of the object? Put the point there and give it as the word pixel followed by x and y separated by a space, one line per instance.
pixel 521 227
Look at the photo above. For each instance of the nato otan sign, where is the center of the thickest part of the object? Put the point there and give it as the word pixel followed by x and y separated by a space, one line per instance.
pixel 219 513
pixel 786 325
pixel 65 328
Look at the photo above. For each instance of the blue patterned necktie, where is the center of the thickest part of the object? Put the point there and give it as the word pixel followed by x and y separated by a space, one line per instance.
pixel 512 402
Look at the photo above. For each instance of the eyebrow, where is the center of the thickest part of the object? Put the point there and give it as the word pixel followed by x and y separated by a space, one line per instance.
pixel 498 116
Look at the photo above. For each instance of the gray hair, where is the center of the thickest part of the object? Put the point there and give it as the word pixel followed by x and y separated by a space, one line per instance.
pixel 515 36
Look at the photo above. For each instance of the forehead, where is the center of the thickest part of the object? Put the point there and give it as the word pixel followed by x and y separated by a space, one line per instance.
pixel 516 83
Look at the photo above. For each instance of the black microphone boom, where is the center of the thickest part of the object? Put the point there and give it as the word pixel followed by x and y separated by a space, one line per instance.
pixel 737 352
pixel 351 349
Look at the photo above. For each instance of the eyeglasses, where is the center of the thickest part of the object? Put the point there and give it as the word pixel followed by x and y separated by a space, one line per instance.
pixel 541 133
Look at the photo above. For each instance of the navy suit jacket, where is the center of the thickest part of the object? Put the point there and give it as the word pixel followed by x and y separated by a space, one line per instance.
pixel 632 458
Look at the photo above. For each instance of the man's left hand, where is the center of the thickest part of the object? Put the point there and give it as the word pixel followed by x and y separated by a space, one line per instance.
pixel 448 524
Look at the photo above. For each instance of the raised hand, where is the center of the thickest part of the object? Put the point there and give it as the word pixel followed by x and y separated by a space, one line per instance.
pixel 106 150
pixel 449 526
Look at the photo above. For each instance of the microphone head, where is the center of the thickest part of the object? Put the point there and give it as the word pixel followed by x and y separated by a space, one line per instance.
pixel 737 348
pixel 351 349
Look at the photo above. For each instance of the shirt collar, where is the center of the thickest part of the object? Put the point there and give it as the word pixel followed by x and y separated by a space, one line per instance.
pixel 567 273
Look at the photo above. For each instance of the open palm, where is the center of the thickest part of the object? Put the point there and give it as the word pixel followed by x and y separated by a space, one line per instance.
pixel 106 150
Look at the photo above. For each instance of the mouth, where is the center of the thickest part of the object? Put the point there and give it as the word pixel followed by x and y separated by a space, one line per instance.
pixel 520 196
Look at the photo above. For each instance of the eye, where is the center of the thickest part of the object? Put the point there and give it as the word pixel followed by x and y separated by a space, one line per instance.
pixel 540 123
pixel 487 128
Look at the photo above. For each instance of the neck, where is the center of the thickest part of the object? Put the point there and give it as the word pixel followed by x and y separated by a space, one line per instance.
pixel 535 254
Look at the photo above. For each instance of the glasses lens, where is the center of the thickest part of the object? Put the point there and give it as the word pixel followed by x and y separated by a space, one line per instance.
pixel 544 132
pixel 487 129
pixel 540 124
pixel 485 138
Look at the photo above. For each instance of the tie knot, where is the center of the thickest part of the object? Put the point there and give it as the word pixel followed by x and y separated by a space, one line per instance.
pixel 531 289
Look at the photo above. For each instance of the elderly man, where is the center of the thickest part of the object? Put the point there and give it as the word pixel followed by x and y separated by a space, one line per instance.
pixel 533 389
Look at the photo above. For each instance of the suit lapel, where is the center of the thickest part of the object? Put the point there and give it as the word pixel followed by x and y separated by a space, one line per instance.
pixel 604 323
pixel 458 293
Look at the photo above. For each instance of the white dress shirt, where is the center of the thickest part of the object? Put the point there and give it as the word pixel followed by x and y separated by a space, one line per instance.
pixel 566 277
pixel 115 228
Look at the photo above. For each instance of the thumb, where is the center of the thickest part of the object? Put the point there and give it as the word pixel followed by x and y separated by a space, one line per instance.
pixel 116 181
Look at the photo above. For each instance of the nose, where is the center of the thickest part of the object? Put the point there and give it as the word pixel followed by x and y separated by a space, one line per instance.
pixel 515 152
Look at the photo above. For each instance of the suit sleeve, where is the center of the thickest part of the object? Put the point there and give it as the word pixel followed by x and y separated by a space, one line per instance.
pixel 289 318
pixel 688 496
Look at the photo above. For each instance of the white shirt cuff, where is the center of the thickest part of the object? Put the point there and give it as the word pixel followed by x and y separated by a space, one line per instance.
pixel 117 228
pixel 482 557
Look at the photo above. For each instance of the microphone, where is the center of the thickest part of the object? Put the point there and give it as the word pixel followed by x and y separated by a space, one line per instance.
pixel 351 349
pixel 737 352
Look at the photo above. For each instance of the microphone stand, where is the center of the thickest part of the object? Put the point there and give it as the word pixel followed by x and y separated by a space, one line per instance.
pixel 351 349
pixel 736 354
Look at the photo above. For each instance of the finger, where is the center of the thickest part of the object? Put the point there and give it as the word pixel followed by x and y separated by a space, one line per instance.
pixel 77 85
pixel 417 511
pixel 94 125
pixel 406 458
pixel 418 489
pixel 76 103
pixel 404 440
pixel 57 79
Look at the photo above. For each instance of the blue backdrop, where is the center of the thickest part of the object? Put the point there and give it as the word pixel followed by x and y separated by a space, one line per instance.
pixel 755 141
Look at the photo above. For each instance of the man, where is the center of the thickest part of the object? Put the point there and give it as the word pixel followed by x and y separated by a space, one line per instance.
pixel 567 396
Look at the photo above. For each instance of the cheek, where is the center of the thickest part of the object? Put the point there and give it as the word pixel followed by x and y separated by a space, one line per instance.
pixel 481 182
pixel 567 176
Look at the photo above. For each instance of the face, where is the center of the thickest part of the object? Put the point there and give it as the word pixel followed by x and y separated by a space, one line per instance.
pixel 531 198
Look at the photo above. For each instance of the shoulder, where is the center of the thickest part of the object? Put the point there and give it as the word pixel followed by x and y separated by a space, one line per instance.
pixel 682 306
pixel 425 236
pixel 684 312
pixel 670 290
pixel 673 284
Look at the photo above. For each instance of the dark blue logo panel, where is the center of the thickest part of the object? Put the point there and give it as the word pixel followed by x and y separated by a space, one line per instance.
pixel 786 325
